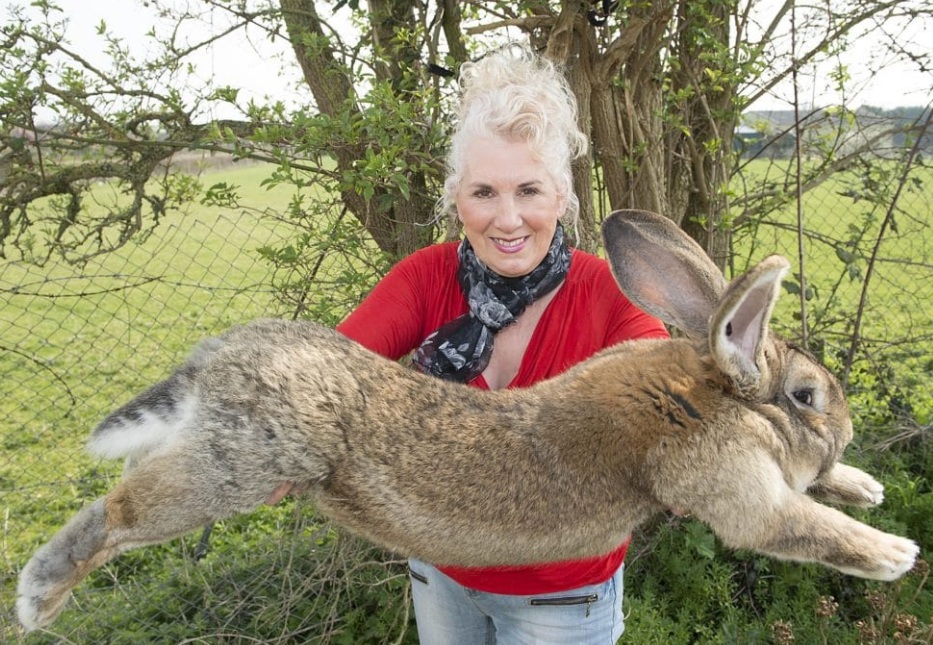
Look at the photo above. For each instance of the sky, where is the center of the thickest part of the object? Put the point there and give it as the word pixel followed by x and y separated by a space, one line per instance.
pixel 261 67
pixel 248 60
pixel 897 85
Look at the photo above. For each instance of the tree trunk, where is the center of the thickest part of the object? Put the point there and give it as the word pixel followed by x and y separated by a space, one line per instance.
pixel 409 219
pixel 401 228
pixel 626 103
pixel 709 117
pixel 569 44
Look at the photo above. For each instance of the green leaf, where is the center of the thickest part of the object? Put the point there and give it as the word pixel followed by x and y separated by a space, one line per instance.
pixel 791 286
pixel 848 257
pixel 701 540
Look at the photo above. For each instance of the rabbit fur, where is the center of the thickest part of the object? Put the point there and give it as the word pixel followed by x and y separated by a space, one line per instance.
pixel 732 424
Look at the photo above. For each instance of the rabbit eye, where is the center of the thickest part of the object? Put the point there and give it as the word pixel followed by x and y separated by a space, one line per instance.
pixel 804 396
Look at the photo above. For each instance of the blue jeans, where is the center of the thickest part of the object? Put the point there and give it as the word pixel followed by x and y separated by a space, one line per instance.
pixel 448 613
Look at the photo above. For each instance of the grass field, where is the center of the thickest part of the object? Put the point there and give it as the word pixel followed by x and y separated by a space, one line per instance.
pixel 843 234
pixel 79 341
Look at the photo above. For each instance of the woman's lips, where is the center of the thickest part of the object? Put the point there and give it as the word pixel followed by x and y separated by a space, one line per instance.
pixel 510 246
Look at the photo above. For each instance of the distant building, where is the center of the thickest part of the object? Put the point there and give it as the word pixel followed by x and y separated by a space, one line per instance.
pixel 748 141
pixel 772 134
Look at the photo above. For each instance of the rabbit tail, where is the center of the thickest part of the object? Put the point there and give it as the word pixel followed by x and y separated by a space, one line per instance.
pixel 156 418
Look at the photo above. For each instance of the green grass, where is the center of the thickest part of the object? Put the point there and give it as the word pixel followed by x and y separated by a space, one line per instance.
pixel 79 341
pixel 841 236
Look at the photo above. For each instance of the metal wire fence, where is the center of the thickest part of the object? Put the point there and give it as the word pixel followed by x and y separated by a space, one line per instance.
pixel 77 341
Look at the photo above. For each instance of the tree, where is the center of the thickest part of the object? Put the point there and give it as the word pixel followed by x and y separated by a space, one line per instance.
pixel 661 86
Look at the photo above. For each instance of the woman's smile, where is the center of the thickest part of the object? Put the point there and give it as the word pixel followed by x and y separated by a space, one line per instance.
pixel 509 205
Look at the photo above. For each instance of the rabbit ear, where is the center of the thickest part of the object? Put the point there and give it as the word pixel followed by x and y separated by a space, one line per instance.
pixel 739 326
pixel 662 269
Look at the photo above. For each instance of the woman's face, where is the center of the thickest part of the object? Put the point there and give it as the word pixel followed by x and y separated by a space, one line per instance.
pixel 508 204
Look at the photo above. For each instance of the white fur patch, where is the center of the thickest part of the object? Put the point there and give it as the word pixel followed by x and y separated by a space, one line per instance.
pixel 27 613
pixel 126 438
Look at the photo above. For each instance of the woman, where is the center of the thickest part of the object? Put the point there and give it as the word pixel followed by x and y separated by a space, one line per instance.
pixel 509 306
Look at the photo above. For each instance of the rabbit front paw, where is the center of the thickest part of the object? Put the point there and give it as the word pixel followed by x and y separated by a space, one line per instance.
pixel 894 556
pixel 848 485
pixel 872 489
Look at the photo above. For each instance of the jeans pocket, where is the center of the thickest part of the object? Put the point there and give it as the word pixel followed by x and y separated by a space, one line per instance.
pixel 564 601
pixel 417 576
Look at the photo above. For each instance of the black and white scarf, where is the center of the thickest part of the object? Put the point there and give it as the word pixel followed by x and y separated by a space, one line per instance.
pixel 460 349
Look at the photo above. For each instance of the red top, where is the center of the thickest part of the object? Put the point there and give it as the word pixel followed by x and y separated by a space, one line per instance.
pixel 587 314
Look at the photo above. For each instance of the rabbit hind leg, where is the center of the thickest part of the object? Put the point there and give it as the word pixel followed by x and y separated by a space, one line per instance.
pixel 46 581
pixel 164 497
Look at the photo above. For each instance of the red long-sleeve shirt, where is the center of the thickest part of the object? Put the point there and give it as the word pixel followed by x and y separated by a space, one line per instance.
pixel 587 314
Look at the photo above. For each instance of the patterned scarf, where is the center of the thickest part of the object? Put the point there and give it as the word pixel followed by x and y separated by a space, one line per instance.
pixel 460 349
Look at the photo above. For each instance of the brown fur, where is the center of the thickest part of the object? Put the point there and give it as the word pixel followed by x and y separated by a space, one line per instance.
pixel 732 425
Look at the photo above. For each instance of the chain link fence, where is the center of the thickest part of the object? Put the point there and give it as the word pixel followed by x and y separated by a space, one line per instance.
pixel 77 341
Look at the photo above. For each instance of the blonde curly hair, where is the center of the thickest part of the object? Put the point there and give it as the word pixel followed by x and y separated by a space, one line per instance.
pixel 516 95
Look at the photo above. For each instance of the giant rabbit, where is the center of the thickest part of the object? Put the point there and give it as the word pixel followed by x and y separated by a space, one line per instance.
pixel 734 425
